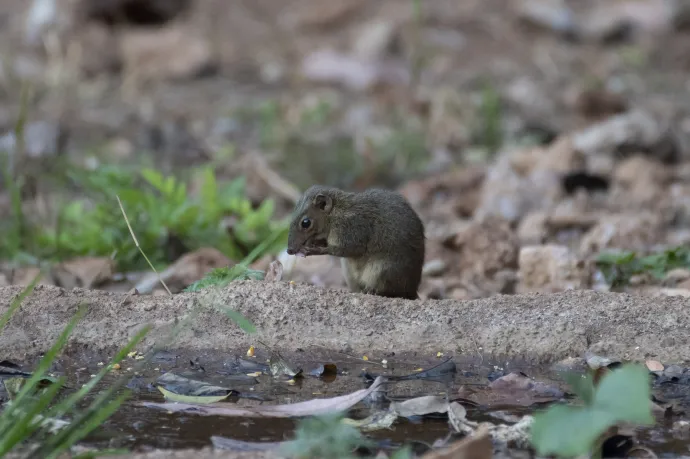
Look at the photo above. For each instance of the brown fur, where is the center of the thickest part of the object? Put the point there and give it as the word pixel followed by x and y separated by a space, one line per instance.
pixel 378 235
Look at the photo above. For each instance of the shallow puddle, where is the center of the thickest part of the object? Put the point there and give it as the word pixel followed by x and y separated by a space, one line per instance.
pixel 139 428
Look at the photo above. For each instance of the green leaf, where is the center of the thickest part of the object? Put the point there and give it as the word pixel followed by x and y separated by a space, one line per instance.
pixel 209 188
pixel 154 178
pixel 241 321
pixel 567 431
pixel 582 386
pixel 265 211
pixel 625 393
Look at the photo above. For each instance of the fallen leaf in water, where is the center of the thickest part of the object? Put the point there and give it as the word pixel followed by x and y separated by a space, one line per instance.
pixel 308 408
pixel 8 368
pixel 443 372
pixel 243 366
pixel 181 389
pixel 274 273
pixel 15 384
pixel 457 417
pixel 279 366
pixel 513 389
pixel 478 446
pixel 229 444
pixel 420 406
pixel 654 365
pixel 377 421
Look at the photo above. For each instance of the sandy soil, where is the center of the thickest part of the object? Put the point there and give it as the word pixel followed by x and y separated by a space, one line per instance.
pixel 538 327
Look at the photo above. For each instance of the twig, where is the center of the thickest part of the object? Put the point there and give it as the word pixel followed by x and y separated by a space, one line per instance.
pixel 139 247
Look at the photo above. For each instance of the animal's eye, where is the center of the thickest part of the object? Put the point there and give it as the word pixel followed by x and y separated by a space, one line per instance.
pixel 306 223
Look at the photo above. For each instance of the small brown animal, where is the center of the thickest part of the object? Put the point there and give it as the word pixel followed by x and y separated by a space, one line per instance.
pixel 376 233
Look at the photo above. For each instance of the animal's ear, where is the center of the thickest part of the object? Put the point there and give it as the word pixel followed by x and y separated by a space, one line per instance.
pixel 323 202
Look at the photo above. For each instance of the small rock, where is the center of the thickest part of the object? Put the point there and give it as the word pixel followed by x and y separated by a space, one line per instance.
pixel 434 268
pixel 41 139
pixel 679 201
pixel 373 39
pixel 631 132
pixel 640 168
pixel 99 50
pixel 626 231
pixel 595 361
pixel 604 25
pixel 551 268
pixel 526 180
pixel 552 15
pixel 532 229
pixel 170 53
pixel 676 276
pixel 328 66
pixel 84 272
pixel 674 371
pixel 486 247
pixel 654 365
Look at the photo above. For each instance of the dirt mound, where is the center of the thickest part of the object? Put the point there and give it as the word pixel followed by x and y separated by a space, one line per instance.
pixel 538 327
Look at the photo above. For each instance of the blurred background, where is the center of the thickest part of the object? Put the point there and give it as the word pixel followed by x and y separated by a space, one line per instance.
pixel 532 136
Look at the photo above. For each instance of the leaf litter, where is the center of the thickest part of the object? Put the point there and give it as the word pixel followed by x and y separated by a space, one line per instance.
pixel 512 393
pixel 314 407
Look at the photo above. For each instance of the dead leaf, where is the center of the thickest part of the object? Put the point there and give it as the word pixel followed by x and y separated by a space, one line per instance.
pixel 243 366
pixel 514 389
pixel 477 446
pixel 377 421
pixel 84 272
pixel 457 417
pixel 274 273
pixel 180 389
pixel 24 277
pixel 314 407
pixel 279 366
pixel 165 53
pixel 420 406
pixel 188 269
pixel 443 372
pixel 230 444
pixel 654 365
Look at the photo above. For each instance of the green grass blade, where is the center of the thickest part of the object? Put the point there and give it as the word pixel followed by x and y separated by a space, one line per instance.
pixel 45 362
pixel 17 302
pixel 23 424
pixel 68 404
pixel 81 427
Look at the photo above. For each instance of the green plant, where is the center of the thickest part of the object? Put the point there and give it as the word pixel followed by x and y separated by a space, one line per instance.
pixel 619 267
pixel 220 277
pixel 490 130
pixel 623 395
pixel 162 213
pixel 24 426
pixel 325 436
